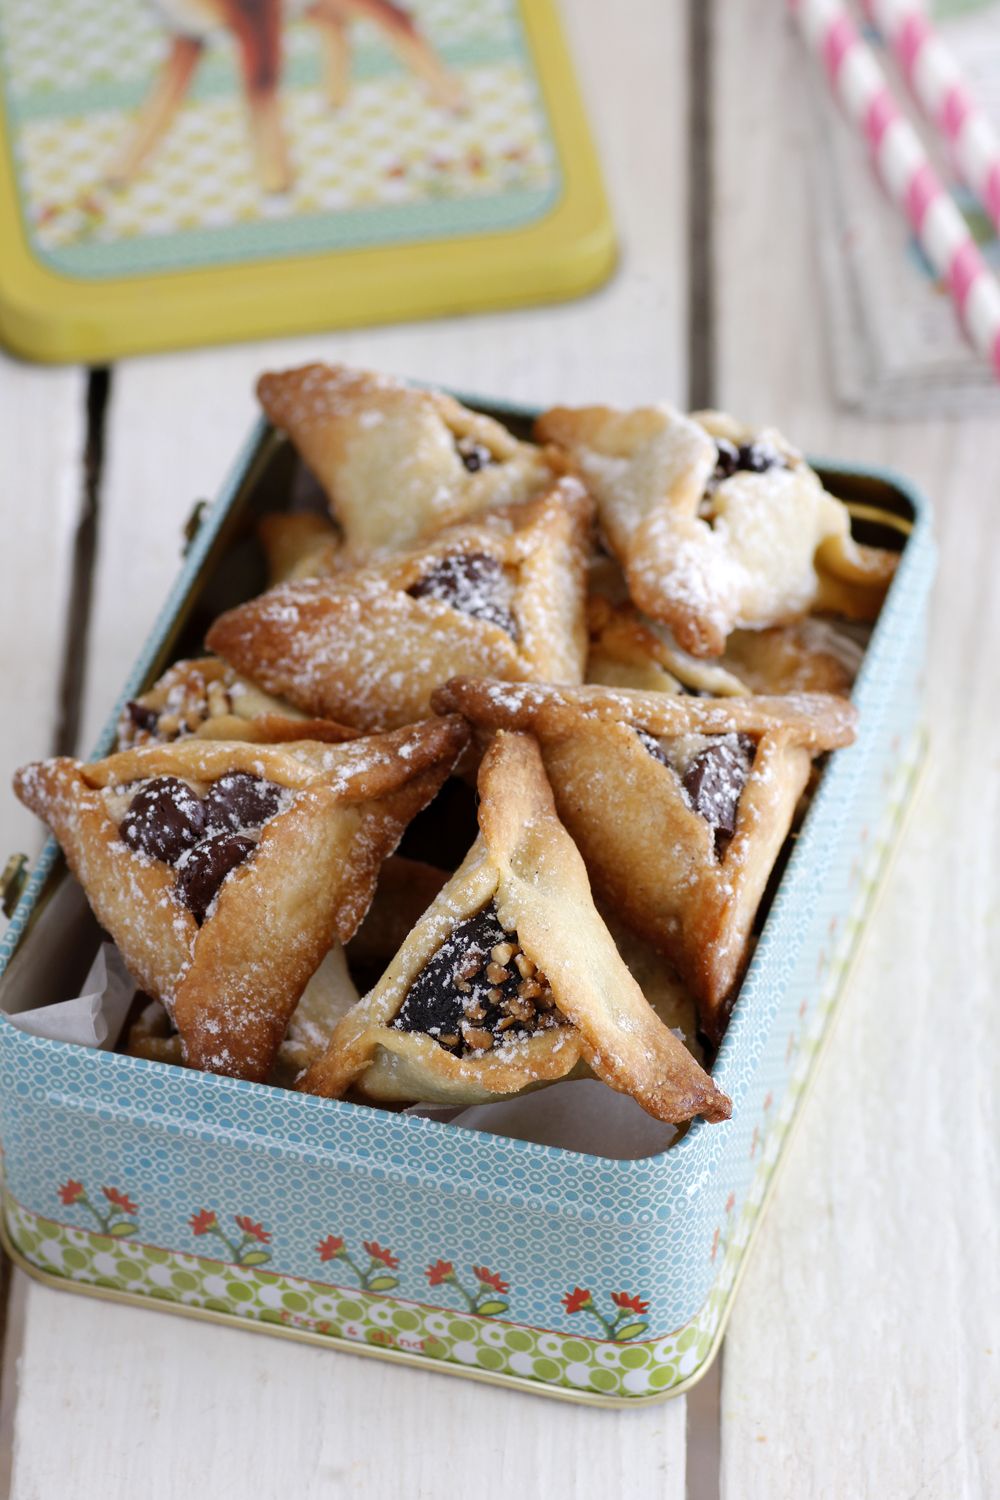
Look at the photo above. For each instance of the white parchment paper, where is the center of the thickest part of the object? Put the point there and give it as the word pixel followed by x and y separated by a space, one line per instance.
pixel 578 1115
pixel 95 1018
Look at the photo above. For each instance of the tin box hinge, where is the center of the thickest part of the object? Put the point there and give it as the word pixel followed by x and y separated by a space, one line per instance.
pixel 193 524
pixel 15 873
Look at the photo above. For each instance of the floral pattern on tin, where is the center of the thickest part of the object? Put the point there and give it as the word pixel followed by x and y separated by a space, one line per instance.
pixel 119 1220
pixel 246 1251
pixel 376 1276
pixel 627 1322
pixel 489 1298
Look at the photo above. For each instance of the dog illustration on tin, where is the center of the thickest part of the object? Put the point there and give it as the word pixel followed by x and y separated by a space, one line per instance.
pixel 255 27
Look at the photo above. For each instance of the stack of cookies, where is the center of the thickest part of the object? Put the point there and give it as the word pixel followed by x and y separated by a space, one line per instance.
pixel 581 686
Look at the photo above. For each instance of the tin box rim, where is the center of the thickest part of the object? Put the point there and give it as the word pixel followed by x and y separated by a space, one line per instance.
pixel 504 1149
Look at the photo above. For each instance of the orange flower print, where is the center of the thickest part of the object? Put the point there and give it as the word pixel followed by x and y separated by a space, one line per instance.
pixel 623 1326
pixel 255 1231
pixel 330 1248
pixel 242 1252
pixel 484 1301
pixel 623 1300
pixel 378 1252
pixel 374 1277
pixel 118 1221
pixel 490 1278
pixel 120 1200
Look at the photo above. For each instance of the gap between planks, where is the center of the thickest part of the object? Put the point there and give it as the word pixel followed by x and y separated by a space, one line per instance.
pixel 72 684
pixel 704 1405
pixel 63 742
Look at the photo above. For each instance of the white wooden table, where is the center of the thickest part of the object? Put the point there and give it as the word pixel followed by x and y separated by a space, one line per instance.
pixel 864 1355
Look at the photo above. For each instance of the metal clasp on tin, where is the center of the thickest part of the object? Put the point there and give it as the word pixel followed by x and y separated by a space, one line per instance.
pixel 15 873
pixel 193 524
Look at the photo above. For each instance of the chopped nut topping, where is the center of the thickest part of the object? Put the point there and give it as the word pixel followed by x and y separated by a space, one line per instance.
pixel 478 1039
pixel 477 988
pixel 218 700
pixel 521 1010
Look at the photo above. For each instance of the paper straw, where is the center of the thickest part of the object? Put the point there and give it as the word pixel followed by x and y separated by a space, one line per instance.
pixel 905 169
pixel 937 84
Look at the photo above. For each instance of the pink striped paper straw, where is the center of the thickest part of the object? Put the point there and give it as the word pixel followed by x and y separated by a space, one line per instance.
pixel 905 169
pixel 936 81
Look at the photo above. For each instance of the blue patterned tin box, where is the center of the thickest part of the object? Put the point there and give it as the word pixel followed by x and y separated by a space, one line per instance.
pixel 573 1275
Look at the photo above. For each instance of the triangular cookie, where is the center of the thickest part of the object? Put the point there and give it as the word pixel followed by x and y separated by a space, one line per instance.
pixel 715 533
pixel 503 596
pixel 208 699
pixel 396 463
pixel 224 871
pixel 510 979
pixel 299 544
pixel 678 805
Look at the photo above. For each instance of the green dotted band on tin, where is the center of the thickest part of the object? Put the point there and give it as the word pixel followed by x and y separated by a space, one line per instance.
pixel 638 1369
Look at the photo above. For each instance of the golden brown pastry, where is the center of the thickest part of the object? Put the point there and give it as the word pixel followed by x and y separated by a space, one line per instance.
pixel 396 463
pixel 511 980
pixel 715 533
pixel 224 871
pixel 503 596
pixel 153 1035
pixel 666 993
pixel 207 699
pixel 627 649
pixel 678 805
pixel 329 995
pixel 298 544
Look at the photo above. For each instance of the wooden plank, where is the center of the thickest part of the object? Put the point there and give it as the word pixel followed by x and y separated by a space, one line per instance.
pixel 150 1405
pixel 42 430
pixel 146 1404
pixel 862 1354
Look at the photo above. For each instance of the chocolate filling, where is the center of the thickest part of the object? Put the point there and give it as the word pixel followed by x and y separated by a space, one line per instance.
pixel 203 869
pixel 714 782
pixel 755 458
pixel 472 584
pixel 714 779
pixel 204 838
pixel 141 716
pixel 654 747
pixel 478 990
pixel 473 455
pixel 240 801
pixel 164 819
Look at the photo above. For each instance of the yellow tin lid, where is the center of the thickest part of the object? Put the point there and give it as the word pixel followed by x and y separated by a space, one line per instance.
pixel 178 172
